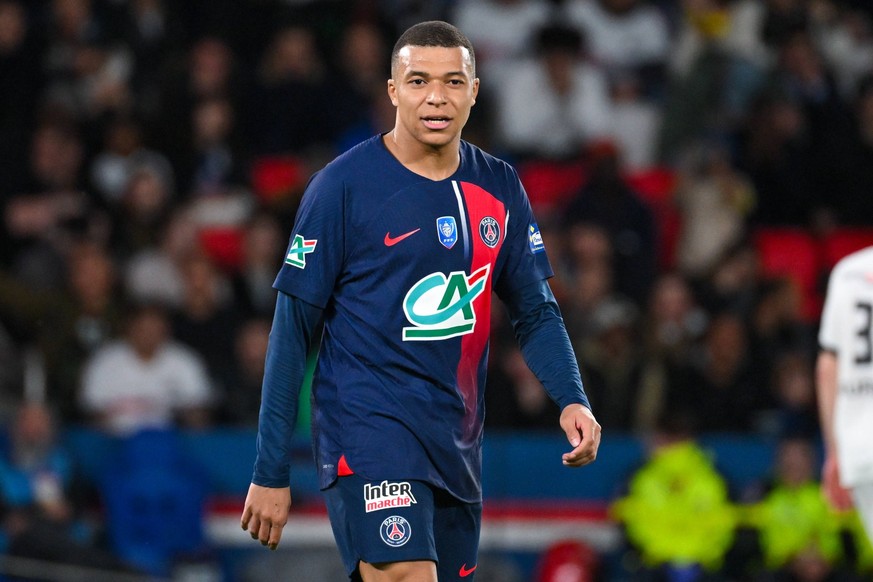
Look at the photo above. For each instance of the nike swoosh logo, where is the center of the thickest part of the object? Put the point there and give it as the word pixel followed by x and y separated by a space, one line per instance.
pixel 390 242
pixel 464 571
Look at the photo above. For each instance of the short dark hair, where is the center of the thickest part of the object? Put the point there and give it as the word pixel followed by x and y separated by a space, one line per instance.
pixel 433 33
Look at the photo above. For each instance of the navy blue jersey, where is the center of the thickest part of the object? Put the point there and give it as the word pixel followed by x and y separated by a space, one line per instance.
pixel 404 267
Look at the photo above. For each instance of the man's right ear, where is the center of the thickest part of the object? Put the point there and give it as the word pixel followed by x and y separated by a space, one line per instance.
pixel 392 92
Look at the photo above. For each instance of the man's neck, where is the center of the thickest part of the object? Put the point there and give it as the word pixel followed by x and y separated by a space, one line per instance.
pixel 434 163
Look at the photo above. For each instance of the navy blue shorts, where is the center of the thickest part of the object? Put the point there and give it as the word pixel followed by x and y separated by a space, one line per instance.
pixel 400 521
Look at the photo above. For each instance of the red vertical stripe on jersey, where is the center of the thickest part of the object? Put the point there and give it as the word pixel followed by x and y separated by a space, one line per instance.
pixel 480 204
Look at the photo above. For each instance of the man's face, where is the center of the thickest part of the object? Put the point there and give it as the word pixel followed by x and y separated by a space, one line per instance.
pixel 433 89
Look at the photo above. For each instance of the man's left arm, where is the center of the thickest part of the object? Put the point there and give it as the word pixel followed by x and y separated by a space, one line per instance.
pixel 542 336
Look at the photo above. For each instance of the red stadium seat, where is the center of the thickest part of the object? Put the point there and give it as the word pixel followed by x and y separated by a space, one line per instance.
pixel 656 186
pixel 844 241
pixel 550 185
pixel 277 177
pixel 793 253
pixel 567 561
pixel 224 245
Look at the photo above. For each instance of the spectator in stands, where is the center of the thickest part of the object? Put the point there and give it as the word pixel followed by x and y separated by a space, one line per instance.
pixel 718 64
pixel 152 35
pixel 588 278
pixel 776 326
pixel 210 71
pixel 624 34
pixel 607 201
pixel 805 77
pixel 361 61
pixel 242 401
pixel 208 319
pixel 263 246
pixel 154 274
pixel 733 282
pixel 845 38
pixel 857 206
pixel 19 50
pixel 793 388
pixel 88 75
pixel 784 19
pixel 124 153
pixel 217 156
pixel 66 326
pixel 143 209
pixel 676 513
pixel 676 322
pixel 40 218
pixel 293 97
pixel 612 364
pixel 39 505
pixel 550 106
pixel 405 13
pixel 715 201
pixel 636 122
pixel 774 151
pixel 377 117
pixel 146 379
pixel 672 326
pixel 718 386
pixel 799 534
pixel 501 31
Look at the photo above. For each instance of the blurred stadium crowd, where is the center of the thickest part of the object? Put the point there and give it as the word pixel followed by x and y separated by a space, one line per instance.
pixel 697 166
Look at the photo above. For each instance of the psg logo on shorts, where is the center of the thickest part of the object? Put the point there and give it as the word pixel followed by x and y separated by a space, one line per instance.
pixel 395 531
pixel 489 230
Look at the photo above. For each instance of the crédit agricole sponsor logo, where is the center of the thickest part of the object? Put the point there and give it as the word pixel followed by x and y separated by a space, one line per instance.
pixel 440 307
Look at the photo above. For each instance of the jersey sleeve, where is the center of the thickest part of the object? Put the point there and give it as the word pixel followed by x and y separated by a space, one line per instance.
pixel 525 260
pixel 545 344
pixel 828 334
pixel 290 337
pixel 314 258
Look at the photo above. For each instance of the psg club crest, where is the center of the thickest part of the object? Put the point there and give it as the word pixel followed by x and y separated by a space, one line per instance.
pixel 447 231
pixel 395 531
pixel 489 230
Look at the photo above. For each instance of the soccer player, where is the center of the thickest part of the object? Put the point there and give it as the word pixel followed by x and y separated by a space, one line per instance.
pixel 397 246
pixel 845 385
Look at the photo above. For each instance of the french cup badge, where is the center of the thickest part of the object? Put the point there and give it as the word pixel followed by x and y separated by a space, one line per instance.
pixel 447 231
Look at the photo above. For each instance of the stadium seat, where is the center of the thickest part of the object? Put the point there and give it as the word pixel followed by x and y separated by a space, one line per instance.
pixel 550 185
pixel 656 186
pixel 793 253
pixel 224 245
pixel 275 178
pixel 567 561
pixel 842 242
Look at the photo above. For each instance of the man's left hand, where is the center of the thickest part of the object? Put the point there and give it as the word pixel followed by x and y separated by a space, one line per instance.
pixel 583 432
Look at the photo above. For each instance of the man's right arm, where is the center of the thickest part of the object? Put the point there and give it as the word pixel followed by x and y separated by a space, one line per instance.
pixel 826 381
pixel 826 387
pixel 269 498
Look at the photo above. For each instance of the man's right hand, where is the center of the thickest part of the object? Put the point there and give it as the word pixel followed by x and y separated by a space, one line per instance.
pixel 266 513
pixel 839 497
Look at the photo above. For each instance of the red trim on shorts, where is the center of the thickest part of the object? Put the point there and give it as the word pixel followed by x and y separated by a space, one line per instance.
pixel 342 468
